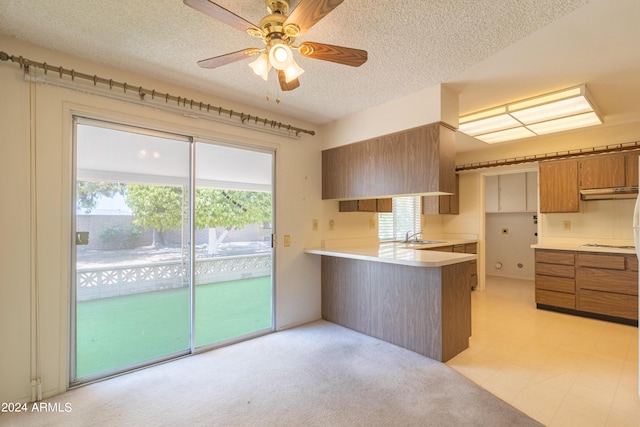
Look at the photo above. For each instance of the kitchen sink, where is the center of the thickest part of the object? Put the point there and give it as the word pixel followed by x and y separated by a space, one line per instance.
pixel 423 242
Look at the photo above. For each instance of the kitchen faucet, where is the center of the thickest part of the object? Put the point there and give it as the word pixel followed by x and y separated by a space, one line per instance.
pixel 410 234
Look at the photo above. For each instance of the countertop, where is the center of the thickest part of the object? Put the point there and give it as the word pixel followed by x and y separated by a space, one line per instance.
pixel 583 248
pixel 401 253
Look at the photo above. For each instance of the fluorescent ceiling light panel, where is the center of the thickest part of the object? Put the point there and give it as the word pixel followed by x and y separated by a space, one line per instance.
pixel 506 135
pixel 552 112
pixel 491 124
pixel 566 123
pixel 555 110
pixel 548 98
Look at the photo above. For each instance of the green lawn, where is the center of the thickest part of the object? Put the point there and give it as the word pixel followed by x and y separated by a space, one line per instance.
pixel 116 332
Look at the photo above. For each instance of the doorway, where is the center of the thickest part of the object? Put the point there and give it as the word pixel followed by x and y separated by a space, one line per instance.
pixel 510 222
pixel 172 247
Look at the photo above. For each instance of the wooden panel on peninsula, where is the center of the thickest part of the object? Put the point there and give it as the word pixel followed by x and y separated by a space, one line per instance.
pixel 413 161
pixel 423 309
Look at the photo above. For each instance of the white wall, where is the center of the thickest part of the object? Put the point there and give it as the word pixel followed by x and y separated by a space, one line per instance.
pixel 435 104
pixel 512 250
pixel 36 125
pixel 599 221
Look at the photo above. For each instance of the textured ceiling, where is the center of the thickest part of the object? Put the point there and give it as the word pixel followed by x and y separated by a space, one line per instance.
pixel 490 51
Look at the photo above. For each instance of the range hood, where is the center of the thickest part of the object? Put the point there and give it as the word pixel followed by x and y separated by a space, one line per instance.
pixel 609 193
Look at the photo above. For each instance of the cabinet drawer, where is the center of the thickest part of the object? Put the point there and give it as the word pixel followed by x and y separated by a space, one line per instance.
pixel 558 284
pixel 632 263
pixel 556 299
pixel 459 248
pixel 598 279
pixel 472 248
pixel 625 306
pixel 443 249
pixel 555 257
pixel 555 270
pixel 614 262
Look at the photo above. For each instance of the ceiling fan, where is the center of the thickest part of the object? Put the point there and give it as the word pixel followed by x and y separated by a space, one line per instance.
pixel 278 31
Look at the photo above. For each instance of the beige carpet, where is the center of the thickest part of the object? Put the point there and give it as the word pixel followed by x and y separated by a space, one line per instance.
pixel 319 374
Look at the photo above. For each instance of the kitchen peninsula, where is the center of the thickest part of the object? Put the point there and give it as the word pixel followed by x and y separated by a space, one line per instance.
pixel 407 295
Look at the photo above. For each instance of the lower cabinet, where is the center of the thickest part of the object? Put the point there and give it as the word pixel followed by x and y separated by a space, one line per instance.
pixel 467 248
pixel 600 284
pixel 555 278
pixel 423 309
pixel 608 284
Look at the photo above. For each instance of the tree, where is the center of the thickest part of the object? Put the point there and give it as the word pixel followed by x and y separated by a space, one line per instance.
pixel 230 209
pixel 160 207
pixel 156 206
pixel 88 193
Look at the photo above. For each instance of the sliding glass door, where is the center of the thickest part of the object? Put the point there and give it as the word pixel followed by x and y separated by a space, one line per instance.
pixel 233 243
pixel 143 293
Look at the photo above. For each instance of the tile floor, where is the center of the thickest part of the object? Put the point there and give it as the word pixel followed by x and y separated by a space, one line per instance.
pixel 560 369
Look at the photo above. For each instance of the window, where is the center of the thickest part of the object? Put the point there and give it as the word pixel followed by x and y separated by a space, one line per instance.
pixel 405 217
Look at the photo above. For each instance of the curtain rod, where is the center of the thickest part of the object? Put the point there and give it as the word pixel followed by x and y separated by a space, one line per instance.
pixel 142 93
pixel 550 156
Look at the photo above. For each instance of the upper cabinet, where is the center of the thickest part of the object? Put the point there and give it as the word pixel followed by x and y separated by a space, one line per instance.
pixel 559 190
pixel 415 161
pixel 514 192
pixel 602 171
pixel 442 204
pixel 631 168
pixel 562 180
pixel 368 205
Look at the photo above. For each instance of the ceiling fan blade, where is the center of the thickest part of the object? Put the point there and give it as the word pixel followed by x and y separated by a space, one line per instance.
pixel 337 54
pixel 293 84
pixel 218 61
pixel 309 12
pixel 221 14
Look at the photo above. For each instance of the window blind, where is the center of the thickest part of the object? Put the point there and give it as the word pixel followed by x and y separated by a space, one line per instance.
pixel 405 217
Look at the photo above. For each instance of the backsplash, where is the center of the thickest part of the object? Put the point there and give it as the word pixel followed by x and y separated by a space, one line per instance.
pixel 599 221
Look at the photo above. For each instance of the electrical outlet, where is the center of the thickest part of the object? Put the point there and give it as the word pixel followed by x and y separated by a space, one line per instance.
pixel 287 240
pixel 505 231
pixel 372 223
pixel 331 224
pixel 566 225
pixel 314 225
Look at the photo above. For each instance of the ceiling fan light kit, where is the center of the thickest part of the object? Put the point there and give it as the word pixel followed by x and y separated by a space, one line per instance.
pixel 278 31
pixel 261 66
pixel 557 111
pixel 280 56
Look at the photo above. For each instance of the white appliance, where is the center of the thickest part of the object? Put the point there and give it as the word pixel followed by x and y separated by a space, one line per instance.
pixel 636 241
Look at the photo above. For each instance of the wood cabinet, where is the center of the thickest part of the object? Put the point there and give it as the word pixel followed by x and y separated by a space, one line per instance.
pixel 414 161
pixel 602 171
pixel 555 278
pixel 442 204
pixel 468 248
pixel 562 180
pixel 423 309
pixel 559 190
pixel 514 192
pixel 631 168
pixel 367 205
pixel 607 284
pixel 587 283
